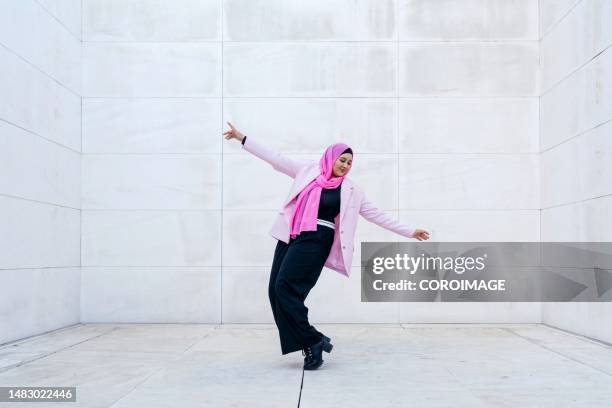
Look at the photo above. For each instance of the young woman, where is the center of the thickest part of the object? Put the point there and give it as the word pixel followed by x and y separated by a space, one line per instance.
pixel 316 228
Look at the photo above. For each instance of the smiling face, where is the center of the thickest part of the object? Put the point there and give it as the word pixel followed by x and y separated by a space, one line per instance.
pixel 343 164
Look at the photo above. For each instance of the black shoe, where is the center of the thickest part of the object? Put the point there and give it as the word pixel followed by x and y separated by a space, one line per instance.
pixel 314 354
pixel 328 348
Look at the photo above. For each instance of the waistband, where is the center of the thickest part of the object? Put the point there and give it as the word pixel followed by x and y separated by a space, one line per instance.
pixel 326 223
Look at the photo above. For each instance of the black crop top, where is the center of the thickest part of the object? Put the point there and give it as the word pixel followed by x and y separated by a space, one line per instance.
pixel 329 206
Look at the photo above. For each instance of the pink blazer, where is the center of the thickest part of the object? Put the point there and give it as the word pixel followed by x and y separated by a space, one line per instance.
pixel 353 202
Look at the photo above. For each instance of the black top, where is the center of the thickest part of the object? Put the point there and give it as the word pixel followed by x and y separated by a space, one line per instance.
pixel 329 206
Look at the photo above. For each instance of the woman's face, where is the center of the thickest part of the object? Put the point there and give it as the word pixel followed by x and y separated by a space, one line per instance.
pixel 343 164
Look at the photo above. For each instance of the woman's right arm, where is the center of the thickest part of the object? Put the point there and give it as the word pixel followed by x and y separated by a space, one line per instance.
pixel 278 161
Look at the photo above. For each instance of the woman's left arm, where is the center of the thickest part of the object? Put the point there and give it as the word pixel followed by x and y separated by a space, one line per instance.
pixel 371 213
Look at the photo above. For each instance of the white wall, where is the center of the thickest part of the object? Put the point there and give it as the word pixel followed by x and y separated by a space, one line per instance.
pixel 152 214
pixel 576 141
pixel 439 100
pixel 40 145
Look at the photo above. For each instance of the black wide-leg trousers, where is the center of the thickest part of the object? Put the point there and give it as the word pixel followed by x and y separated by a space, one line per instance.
pixel 295 270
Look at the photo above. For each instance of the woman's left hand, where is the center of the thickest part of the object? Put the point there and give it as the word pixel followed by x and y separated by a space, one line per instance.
pixel 420 234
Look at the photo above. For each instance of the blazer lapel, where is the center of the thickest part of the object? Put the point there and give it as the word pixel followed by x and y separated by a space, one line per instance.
pixel 309 175
pixel 346 189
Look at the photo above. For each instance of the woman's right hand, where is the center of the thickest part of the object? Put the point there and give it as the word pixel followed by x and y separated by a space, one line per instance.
pixel 233 133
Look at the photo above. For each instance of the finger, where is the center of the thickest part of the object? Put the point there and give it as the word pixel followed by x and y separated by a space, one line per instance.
pixel 232 126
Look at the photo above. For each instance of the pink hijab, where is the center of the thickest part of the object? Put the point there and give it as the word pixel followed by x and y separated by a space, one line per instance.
pixel 304 217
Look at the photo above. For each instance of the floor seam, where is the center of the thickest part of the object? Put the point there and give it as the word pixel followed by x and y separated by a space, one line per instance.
pixel 556 352
pixel 301 388
pixel 39 335
pixel 163 367
pixel 7 368
pixel 582 337
pixel 462 385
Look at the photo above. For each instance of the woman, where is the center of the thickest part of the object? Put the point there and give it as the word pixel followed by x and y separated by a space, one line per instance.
pixel 321 202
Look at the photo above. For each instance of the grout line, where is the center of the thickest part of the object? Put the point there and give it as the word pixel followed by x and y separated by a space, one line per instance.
pixel 221 172
pixel 577 135
pixel 203 210
pixel 183 267
pixel 559 20
pixel 271 210
pixel 40 267
pixel 154 154
pixel 511 41
pixel 575 70
pixel 539 21
pixel 576 202
pixel 38 201
pixel 57 19
pixel 540 131
pixel 539 344
pixel 466 387
pixel 81 183
pixel 597 342
pixel 301 388
pixel 240 210
pixel 280 97
pixel 27 339
pixel 164 365
pixel 81 175
pixel 151 97
pixel 462 325
pixel 7 368
pixel 210 266
pixel 412 153
pixel 42 137
pixel 37 68
pixel 397 130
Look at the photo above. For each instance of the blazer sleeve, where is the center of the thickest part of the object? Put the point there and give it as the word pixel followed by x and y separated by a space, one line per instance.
pixel 371 213
pixel 278 161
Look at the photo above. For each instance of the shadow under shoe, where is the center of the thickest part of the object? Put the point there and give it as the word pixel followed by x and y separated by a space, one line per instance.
pixel 314 354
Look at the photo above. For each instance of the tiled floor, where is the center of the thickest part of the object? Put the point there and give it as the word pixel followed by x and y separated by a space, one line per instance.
pixel 181 365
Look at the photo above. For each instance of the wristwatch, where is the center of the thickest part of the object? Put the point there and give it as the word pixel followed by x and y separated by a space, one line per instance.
pixel 243 139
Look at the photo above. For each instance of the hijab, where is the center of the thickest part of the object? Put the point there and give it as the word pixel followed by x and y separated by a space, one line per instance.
pixel 304 217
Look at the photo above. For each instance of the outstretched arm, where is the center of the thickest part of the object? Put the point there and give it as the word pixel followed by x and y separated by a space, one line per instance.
pixel 371 213
pixel 278 161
